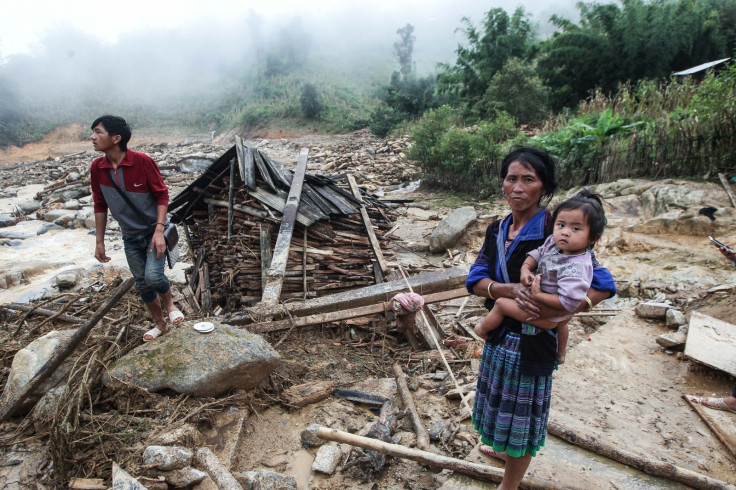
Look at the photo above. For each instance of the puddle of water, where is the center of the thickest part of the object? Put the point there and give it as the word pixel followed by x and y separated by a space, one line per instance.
pixel 7 205
pixel 43 257
pixel 301 468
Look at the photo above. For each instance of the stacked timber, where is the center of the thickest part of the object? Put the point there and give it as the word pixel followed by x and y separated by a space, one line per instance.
pixel 232 217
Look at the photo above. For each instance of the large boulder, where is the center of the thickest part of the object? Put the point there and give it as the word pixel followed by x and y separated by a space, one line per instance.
pixel 451 228
pixel 30 359
pixel 197 364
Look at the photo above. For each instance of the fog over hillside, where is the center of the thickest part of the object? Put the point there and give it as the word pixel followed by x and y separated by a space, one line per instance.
pixel 215 54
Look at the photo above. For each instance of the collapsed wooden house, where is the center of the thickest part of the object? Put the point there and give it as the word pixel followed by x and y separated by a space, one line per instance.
pixel 232 214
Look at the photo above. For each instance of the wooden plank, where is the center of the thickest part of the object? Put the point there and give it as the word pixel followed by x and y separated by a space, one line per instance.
pixel 272 291
pixel 344 314
pixel 249 210
pixel 727 186
pixel 344 205
pixel 712 342
pixel 230 200
pixel 368 225
pixel 249 168
pixel 719 422
pixel 240 152
pixel 265 252
pixel 278 202
pixel 263 171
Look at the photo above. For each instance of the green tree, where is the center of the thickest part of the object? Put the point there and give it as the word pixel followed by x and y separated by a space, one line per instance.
pixel 310 101
pixel 516 90
pixel 488 48
pixel 404 48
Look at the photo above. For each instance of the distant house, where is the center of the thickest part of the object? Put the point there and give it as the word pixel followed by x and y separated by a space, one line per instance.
pixel 698 72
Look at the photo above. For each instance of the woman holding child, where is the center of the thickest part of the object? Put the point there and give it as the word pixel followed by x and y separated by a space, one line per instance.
pixel 512 399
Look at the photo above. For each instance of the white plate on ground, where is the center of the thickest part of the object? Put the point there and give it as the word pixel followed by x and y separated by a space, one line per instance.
pixel 204 327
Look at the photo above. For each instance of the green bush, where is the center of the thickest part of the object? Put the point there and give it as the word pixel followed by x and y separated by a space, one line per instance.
pixel 309 101
pixel 459 158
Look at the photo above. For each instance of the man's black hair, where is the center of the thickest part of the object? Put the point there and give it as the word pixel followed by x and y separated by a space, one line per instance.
pixel 115 125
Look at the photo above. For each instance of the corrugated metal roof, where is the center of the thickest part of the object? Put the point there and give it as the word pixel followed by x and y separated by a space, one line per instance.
pixel 704 66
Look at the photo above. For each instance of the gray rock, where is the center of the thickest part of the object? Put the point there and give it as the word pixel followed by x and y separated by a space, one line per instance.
pixel 29 360
pixel 4 242
pixel 440 431
pixel 30 206
pixel 310 438
pixel 652 310
pixel 197 364
pixel 167 458
pixel 73 205
pixel 59 215
pixel 185 435
pixel 449 230
pixel 675 318
pixel 66 280
pixel 673 340
pixel 184 477
pixel 45 409
pixel 49 227
pixel 266 480
pixel 8 220
pixel 14 235
pixel 327 459
pixel 121 480
pixel 195 163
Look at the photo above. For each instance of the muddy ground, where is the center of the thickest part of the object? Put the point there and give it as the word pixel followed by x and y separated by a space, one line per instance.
pixel 618 384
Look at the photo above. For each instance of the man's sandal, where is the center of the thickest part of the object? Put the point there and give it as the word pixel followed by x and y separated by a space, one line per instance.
pixel 714 403
pixel 154 333
pixel 176 317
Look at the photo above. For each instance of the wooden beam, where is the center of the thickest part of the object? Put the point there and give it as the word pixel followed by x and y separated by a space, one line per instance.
pixel 265 230
pixel 727 186
pixel 245 163
pixel 416 421
pixel 430 459
pixel 343 314
pixel 230 200
pixel 368 225
pixel 43 311
pixel 15 401
pixel 274 281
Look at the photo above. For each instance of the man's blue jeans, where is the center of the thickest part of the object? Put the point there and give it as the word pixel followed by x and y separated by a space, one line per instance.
pixel 148 271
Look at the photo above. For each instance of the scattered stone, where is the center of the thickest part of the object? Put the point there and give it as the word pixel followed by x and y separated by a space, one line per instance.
pixel 674 341
pixel 310 438
pixel 675 318
pixel 187 435
pixel 184 477
pixel 121 480
pixel 652 310
pixel 48 227
pixel 449 230
pixel 7 220
pixel 327 459
pixel 29 360
pixel 167 458
pixel 66 280
pixel 266 480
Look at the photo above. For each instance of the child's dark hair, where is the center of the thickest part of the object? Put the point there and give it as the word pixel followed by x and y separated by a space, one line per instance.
pixel 115 126
pixel 592 206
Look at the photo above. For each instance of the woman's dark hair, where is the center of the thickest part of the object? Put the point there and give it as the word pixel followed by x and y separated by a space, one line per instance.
pixel 115 126
pixel 539 160
pixel 592 206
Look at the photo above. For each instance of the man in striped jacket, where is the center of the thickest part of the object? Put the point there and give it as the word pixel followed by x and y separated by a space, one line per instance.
pixel 136 175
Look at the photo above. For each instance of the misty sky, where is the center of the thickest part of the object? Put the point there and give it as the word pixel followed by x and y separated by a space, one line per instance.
pixel 24 25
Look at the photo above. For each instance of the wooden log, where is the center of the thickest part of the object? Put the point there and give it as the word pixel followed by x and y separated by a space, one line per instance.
pixel 205 294
pixel 317 318
pixel 249 210
pixel 208 461
pixel 431 459
pixel 272 291
pixel 230 200
pixel 416 422
pixel 265 243
pixel 16 400
pixel 727 187
pixel 725 436
pixel 308 393
pixel 43 311
pixel 430 282
pixel 368 226
pixel 650 466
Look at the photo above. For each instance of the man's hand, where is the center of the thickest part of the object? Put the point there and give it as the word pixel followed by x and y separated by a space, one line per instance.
pixel 158 244
pixel 100 253
pixel 728 252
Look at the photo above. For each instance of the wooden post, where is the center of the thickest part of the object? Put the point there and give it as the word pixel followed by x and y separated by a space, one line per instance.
pixel 265 230
pixel 368 226
pixel 304 263
pixel 205 289
pixel 206 459
pixel 416 422
pixel 431 459
pixel 727 186
pixel 230 202
pixel 274 281
pixel 650 466
pixel 15 401
pixel 43 311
